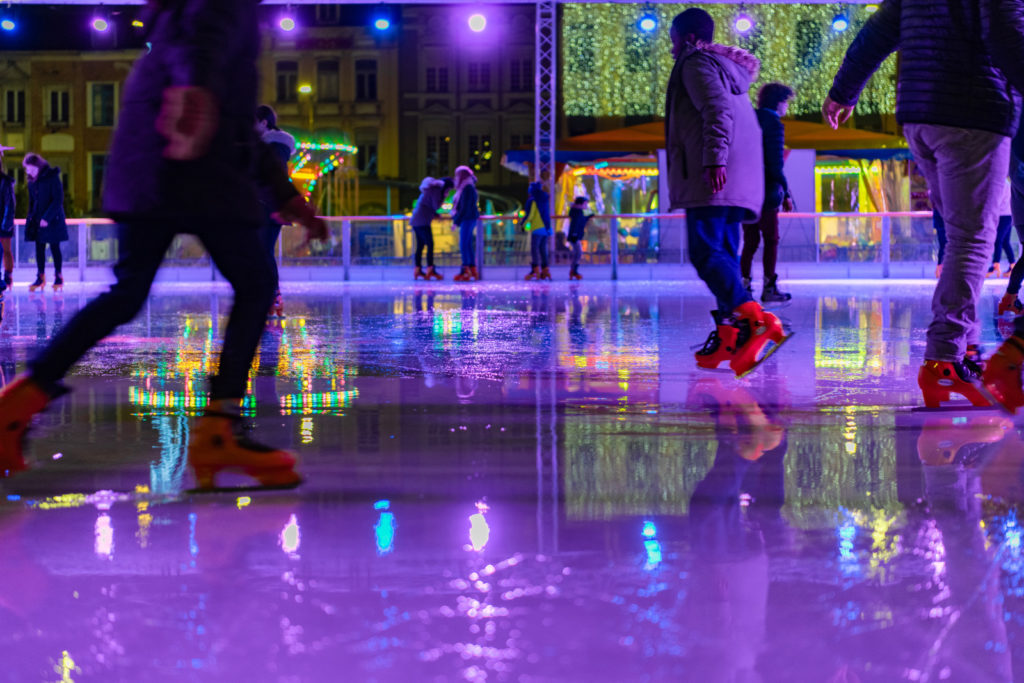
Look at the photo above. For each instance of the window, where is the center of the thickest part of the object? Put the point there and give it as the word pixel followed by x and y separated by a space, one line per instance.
pixel 328 14
pixel 101 104
pixel 97 170
pixel 431 80
pixel 438 150
pixel 480 153
pixel 521 75
pixel 442 79
pixel 518 140
pixel 287 81
pixel 327 87
pixel 366 159
pixel 366 80
pixel 60 109
pixel 14 107
pixel 479 77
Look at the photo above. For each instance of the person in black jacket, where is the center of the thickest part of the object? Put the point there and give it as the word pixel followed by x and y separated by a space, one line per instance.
pixel 283 145
pixel 7 206
pixel 45 223
pixel 961 69
pixel 185 156
pixel 772 103
pixel 465 217
pixel 432 194
pixel 577 227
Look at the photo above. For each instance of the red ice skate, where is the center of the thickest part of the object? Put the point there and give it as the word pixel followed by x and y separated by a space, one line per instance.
pixel 1010 304
pixel 759 335
pixel 938 380
pixel 19 401
pixel 949 440
pixel 1002 376
pixel 720 345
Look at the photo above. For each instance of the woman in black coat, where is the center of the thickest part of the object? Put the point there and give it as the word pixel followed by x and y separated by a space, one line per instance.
pixel 46 223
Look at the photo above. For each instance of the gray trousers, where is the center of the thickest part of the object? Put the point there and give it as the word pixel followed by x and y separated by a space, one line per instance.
pixel 966 172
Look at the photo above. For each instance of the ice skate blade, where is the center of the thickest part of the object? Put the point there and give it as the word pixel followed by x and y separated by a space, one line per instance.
pixel 247 488
pixel 958 407
pixel 767 355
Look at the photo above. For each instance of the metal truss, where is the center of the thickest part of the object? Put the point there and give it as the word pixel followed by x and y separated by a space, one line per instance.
pixel 545 106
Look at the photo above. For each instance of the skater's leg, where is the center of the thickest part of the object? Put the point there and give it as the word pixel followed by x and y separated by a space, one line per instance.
pixel 713 236
pixel 466 243
pixel 58 257
pixel 8 255
pixel 940 234
pixel 577 253
pixel 141 248
pixel 269 234
pixel 543 251
pixel 421 245
pixel 769 225
pixel 428 241
pixel 965 170
pixel 534 250
pixel 40 258
pixel 751 240
pixel 242 261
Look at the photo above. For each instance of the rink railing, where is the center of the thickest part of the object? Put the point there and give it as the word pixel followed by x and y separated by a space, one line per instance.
pixel 869 243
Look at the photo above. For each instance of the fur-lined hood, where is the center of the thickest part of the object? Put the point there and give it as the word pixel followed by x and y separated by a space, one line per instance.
pixel 429 183
pixel 742 66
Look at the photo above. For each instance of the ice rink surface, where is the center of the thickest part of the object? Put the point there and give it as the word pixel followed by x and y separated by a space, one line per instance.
pixel 511 482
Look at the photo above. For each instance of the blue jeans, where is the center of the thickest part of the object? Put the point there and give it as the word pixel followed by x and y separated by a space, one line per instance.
pixel 238 254
pixel 467 245
pixel 713 234
pixel 424 241
pixel 940 234
pixel 539 248
pixel 269 233
pixel 1003 244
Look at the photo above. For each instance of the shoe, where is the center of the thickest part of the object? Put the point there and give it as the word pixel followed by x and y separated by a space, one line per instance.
pixel 748 285
pixel 759 335
pixel 959 440
pixel 939 379
pixel 545 274
pixel 8 278
pixel 474 274
pixel 534 274
pixel 772 294
pixel 1002 376
pixel 277 308
pixel 574 274
pixel 218 443
pixel 721 343
pixel 994 271
pixel 418 274
pixel 1010 304
pixel 58 282
pixel 40 283
pixel 433 274
pixel 463 275
pixel 19 401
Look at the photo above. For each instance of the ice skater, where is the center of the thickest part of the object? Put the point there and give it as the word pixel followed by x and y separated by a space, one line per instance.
pixel 432 194
pixel 7 206
pixel 1003 229
pixel 963 152
pixel 772 104
pixel 716 173
pixel 1010 302
pixel 578 219
pixel 189 161
pixel 940 236
pixel 540 200
pixel 465 218
pixel 45 223
pixel 283 145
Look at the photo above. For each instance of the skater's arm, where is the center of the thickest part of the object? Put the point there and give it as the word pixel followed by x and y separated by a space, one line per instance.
pixel 704 85
pixel 7 201
pixel 197 56
pixel 1005 36
pixel 879 38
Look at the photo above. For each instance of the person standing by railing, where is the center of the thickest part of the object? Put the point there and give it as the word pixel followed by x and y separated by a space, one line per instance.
pixel 577 227
pixel 540 201
pixel 465 217
pixel 1003 229
pixel 7 206
pixel 283 145
pixel 948 49
pixel 45 223
pixel 772 103
pixel 716 173
pixel 432 194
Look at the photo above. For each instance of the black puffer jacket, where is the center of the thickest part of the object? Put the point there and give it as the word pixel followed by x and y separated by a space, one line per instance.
pixel 960 61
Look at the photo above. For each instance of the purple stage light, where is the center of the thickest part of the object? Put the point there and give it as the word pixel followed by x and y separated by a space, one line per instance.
pixel 286 23
pixel 743 24
pixel 100 24
pixel 478 22
pixel 8 25
pixel 382 24
pixel 648 23
pixel 840 23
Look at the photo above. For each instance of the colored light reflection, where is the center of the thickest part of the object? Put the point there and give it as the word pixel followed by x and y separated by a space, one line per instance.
pixel 651 545
pixel 291 536
pixel 384 529
pixel 479 529
pixel 103 544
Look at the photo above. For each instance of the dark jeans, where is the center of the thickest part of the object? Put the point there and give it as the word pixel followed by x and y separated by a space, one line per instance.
pixel 940 234
pixel 1017 274
pixel 577 252
pixel 467 245
pixel 539 248
pixel 713 235
pixel 1003 240
pixel 241 259
pixel 768 227
pixel 268 236
pixel 424 240
pixel 58 257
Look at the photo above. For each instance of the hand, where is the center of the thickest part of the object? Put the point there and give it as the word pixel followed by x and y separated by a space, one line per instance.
pixel 787 204
pixel 835 113
pixel 188 119
pixel 43 223
pixel 297 210
pixel 714 178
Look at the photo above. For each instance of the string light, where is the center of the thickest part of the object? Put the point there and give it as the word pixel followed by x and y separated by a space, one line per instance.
pixel 796 44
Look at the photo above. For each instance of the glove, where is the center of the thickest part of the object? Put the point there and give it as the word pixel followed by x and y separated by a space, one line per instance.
pixel 188 119
pixel 297 210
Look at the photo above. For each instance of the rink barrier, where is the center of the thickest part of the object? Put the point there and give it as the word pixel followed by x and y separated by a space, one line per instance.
pixel 630 246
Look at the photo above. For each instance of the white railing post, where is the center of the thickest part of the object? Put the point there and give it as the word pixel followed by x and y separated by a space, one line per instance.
pixel 886 244
pixel 346 247
pixel 83 248
pixel 614 229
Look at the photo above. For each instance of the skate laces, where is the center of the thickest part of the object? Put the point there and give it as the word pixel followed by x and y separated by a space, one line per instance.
pixel 710 344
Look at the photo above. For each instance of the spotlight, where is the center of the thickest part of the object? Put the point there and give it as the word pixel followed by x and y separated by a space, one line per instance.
pixel 743 24
pixel 286 23
pixel 305 88
pixel 382 24
pixel 648 23
pixel 137 23
pixel 100 24
pixel 870 9
pixel 8 25
pixel 840 23
pixel 478 22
